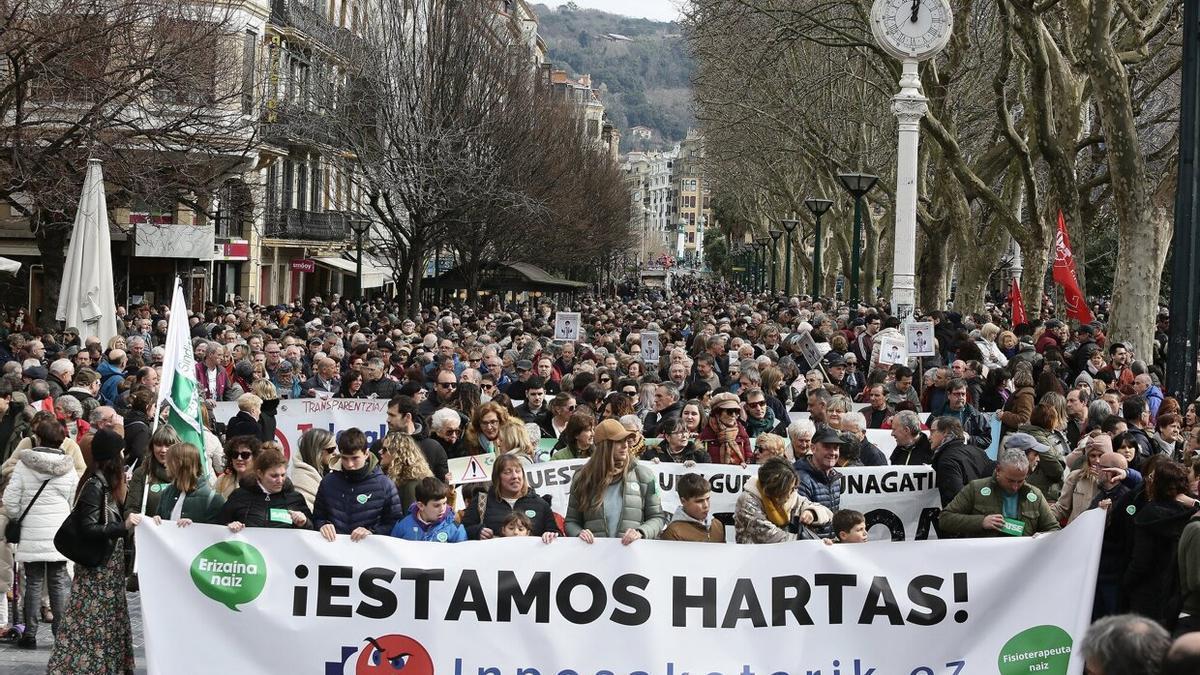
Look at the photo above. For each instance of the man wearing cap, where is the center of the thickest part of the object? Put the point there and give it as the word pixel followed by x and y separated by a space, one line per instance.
pixel 820 481
pixel 1003 504
pixel 835 365
pixel 516 390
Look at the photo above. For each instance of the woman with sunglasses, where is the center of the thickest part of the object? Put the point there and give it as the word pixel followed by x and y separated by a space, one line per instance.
pixel 604 377
pixel 266 498
pixel 575 442
pixel 484 429
pixel 562 406
pixel 318 450
pixel 240 452
pixel 724 436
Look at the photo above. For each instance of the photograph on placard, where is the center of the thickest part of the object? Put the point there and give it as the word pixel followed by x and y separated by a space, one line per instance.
pixel 892 351
pixel 650 347
pixel 566 326
pixel 918 336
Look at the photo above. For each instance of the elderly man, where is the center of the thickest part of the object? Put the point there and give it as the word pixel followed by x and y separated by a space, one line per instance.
pixel 112 371
pixel 61 373
pixel 325 382
pixel 854 426
pixel 212 378
pixel 666 406
pixel 912 446
pixel 819 480
pixel 878 412
pixel 1125 644
pixel 1000 505
pixel 105 417
pixel 376 384
pixel 1144 386
pixel 955 462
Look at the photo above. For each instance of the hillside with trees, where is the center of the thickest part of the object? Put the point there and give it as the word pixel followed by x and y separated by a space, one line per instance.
pixel 641 68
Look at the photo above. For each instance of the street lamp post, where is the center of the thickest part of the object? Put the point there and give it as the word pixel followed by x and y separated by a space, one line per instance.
pixel 790 226
pixel 775 235
pixel 763 242
pixel 1185 301
pixel 817 206
pixel 360 226
pixel 857 184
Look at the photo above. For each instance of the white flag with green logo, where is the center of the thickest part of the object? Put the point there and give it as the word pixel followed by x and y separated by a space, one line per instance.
pixel 178 387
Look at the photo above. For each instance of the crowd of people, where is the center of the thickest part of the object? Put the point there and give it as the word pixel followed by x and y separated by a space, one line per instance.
pixel 1074 420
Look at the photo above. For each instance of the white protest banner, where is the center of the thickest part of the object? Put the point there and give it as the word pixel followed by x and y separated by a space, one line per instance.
pixel 919 337
pixel 900 502
pixel 521 607
pixel 566 326
pixel 295 416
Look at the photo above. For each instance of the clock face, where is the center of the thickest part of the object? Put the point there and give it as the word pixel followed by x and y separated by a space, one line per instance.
pixel 911 29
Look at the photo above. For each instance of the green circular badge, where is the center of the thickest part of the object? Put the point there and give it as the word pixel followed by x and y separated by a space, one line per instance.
pixel 531 513
pixel 362 499
pixel 1131 509
pixel 1029 496
pixel 442 537
pixel 986 492
pixel 1041 649
pixel 157 487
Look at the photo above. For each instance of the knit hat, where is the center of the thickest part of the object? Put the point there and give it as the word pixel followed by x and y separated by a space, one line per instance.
pixel 1085 378
pixel 107 445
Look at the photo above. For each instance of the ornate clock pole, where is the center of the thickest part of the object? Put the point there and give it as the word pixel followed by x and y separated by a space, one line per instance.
pixel 911 31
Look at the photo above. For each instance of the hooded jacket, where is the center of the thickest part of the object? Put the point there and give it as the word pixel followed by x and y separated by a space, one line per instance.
pixel 445 530
pixel 110 380
pixel 686 528
pixel 34 466
pixel 754 527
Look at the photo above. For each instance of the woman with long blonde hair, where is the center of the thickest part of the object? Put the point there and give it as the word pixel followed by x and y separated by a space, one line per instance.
pixel 612 495
pixel 404 463
pixel 484 429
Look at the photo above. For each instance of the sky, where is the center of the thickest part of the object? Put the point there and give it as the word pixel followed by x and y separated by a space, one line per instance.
pixel 659 10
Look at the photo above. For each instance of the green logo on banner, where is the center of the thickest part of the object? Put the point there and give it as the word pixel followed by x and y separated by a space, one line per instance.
pixel 232 573
pixel 1041 649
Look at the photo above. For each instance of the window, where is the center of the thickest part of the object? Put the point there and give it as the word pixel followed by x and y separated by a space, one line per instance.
pixel 288 171
pixel 272 191
pixel 184 61
pixel 249 69
pixel 317 188
pixel 301 184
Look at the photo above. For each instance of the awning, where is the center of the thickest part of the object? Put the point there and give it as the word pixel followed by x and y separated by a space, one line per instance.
pixel 507 276
pixel 374 276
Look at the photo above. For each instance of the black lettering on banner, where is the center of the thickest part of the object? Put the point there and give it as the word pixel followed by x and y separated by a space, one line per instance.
pixel 929 518
pixel 371 583
pixel 744 604
pixel 728 483
pixel 881 601
pixel 836 583
pixel 919 593
pixel 421 578
pixel 682 602
pixel 623 594
pixel 468 585
pixel 790 594
pixel 300 593
pixel 327 590
pixel 594 609
pixel 510 594
pixel 666 482
pixel 889 520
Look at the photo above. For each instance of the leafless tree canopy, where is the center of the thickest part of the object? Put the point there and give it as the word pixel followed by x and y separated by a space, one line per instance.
pixel 1036 106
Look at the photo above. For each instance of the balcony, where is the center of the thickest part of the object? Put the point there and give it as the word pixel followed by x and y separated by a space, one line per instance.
pixel 299 15
pixel 308 225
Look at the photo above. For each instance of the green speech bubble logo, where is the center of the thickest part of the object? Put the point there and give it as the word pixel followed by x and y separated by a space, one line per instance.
pixel 232 573
pixel 1041 649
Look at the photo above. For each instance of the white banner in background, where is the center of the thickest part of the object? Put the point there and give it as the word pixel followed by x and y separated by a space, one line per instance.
pixel 521 607
pixel 899 502
pixel 295 416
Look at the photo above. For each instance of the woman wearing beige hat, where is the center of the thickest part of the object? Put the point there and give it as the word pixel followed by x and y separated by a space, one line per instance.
pixel 612 495
pixel 724 436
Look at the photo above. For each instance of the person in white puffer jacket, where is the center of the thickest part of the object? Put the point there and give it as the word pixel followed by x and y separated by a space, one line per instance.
pixel 40 560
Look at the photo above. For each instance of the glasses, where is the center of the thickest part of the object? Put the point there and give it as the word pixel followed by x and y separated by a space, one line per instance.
pixel 448 385
pixel 489 387
pixel 244 455
pixel 489 423
pixel 451 432
pixel 606 379
pixel 756 404
pixel 331 449
pixel 630 392
pixel 726 411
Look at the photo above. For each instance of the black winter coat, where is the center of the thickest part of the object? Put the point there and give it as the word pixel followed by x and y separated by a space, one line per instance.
pixel 101 531
pixel 957 464
pixel 252 507
pixel 1152 579
pixel 349 501
pixel 137 437
pixel 917 453
pixel 495 510
pixel 690 453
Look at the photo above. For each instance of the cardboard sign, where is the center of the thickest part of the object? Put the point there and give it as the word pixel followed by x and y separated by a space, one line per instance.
pixel 566 326
pixel 892 351
pixel 918 337
pixel 808 349
pixel 650 347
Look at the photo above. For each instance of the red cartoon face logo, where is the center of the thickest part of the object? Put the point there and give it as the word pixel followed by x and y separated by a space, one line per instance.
pixel 393 654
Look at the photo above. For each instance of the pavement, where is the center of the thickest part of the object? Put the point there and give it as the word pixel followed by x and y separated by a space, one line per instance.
pixel 15 661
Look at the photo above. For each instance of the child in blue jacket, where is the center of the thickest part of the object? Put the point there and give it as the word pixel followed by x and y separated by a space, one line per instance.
pixel 430 518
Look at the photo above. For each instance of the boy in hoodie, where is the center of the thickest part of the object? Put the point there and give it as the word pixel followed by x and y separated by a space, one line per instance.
pixel 692 520
pixel 430 518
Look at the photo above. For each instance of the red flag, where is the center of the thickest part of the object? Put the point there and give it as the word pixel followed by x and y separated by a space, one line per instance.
pixel 1064 275
pixel 1016 303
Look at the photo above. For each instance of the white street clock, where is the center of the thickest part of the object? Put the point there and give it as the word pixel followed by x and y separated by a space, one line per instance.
pixel 911 30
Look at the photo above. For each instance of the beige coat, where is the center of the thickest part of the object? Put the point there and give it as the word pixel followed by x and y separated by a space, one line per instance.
pixel 306 479
pixel 1078 491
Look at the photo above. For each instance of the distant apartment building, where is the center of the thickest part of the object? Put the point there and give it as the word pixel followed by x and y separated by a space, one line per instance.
pixel 693 199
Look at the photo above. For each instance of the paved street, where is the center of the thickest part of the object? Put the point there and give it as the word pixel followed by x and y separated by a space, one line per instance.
pixel 15 661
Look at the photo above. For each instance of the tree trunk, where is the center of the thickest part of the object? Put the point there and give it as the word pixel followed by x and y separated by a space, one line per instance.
pixel 934 268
